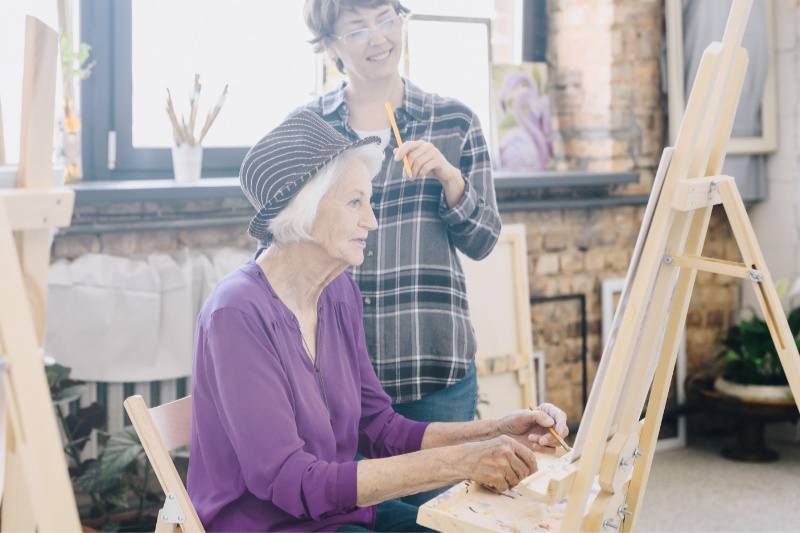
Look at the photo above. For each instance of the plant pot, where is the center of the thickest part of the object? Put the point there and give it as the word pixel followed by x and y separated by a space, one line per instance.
pixel 750 415
pixel 769 393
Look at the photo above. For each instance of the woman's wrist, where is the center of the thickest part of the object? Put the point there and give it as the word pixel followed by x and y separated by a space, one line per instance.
pixel 453 185
pixel 452 177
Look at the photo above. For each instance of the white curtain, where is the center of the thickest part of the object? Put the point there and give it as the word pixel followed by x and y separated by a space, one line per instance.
pixel 131 319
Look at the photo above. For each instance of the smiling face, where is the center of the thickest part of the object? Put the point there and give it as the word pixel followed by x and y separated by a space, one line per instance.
pixel 377 57
pixel 344 216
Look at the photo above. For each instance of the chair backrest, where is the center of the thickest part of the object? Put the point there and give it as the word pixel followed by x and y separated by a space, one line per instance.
pixel 160 430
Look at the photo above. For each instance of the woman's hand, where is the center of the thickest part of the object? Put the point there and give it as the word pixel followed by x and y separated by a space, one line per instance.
pixel 530 427
pixel 426 160
pixel 500 463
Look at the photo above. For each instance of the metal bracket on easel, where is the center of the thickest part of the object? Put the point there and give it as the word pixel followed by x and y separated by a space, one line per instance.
pixel 756 275
pixel 713 188
pixel 172 512
pixel 622 512
pixel 626 463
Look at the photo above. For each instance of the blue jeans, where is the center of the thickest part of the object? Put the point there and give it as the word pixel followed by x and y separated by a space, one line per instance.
pixel 392 515
pixel 456 403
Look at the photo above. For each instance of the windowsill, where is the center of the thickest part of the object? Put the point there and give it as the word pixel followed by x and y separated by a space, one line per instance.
pixel 545 179
pixel 91 192
pixel 209 188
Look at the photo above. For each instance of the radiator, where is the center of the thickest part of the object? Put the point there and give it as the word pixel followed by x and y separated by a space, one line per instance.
pixel 111 396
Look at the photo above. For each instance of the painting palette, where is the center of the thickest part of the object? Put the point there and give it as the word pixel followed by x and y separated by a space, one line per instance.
pixel 470 506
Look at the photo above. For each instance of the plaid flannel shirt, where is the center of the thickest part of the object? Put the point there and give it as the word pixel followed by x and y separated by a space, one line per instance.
pixel 416 318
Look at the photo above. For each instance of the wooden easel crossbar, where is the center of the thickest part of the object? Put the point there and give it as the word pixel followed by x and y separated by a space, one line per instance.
pixel 600 485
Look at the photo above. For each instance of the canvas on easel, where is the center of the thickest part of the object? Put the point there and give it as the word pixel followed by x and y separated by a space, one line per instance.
pixel 37 491
pixel 600 485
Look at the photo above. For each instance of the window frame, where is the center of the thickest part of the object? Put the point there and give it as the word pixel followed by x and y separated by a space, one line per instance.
pixel 106 97
pixel 107 106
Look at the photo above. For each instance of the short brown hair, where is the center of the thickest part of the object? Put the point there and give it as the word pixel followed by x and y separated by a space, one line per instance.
pixel 321 15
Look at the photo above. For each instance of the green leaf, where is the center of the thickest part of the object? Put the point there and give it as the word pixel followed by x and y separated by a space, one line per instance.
pixel 56 373
pixel 731 356
pixel 93 481
pixel 121 450
pixel 117 495
pixel 69 394
pixel 794 321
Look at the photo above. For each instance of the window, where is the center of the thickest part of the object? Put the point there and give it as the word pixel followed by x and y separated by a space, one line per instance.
pixel 258 48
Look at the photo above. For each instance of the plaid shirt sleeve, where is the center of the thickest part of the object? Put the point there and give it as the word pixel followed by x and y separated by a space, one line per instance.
pixel 474 223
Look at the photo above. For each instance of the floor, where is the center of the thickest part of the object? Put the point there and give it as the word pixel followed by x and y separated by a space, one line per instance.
pixel 696 489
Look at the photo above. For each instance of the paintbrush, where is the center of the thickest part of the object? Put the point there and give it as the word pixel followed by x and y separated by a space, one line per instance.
pixel 213 114
pixel 553 431
pixel 397 136
pixel 186 133
pixel 176 129
pixel 194 103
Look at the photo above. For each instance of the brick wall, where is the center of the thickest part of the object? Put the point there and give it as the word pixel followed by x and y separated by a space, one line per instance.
pixel 605 60
pixel 123 243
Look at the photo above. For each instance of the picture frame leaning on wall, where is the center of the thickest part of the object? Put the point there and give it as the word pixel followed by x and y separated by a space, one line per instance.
pixel 676 95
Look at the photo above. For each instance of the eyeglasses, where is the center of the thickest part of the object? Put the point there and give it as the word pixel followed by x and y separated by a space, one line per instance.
pixel 363 35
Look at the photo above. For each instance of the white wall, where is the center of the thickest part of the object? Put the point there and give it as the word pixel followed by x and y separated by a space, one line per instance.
pixel 776 221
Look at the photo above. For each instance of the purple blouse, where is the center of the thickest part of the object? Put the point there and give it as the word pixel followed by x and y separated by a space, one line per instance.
pixel 265 455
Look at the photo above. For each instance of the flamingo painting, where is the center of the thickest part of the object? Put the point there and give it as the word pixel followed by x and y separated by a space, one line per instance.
pixel 527 143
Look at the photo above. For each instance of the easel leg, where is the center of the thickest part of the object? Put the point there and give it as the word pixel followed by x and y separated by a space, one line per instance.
pixel 17 514
pixel 765 289
pixel 665 368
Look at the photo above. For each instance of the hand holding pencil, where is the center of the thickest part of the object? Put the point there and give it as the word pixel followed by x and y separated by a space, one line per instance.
pixel 531 427
pixel 422 159
pixel 553 431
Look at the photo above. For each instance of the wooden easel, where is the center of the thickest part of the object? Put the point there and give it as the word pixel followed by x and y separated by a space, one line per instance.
pixel 605 476
pixel 37 490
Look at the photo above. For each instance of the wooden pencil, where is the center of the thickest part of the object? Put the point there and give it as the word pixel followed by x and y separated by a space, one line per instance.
pixel 553 432
pixel 397 136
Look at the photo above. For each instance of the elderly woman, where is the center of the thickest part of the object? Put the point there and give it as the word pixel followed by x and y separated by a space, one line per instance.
pixel 283 392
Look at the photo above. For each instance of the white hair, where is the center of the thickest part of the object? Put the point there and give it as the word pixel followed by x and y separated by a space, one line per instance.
pixel 294 222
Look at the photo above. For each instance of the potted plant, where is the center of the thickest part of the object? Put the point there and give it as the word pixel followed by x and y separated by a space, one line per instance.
pixel 117 482
pixel 751 368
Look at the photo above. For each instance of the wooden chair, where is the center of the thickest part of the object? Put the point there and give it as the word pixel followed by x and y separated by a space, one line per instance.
pixel 161 430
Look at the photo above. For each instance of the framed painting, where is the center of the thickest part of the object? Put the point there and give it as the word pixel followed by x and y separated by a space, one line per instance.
pixel 523 117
